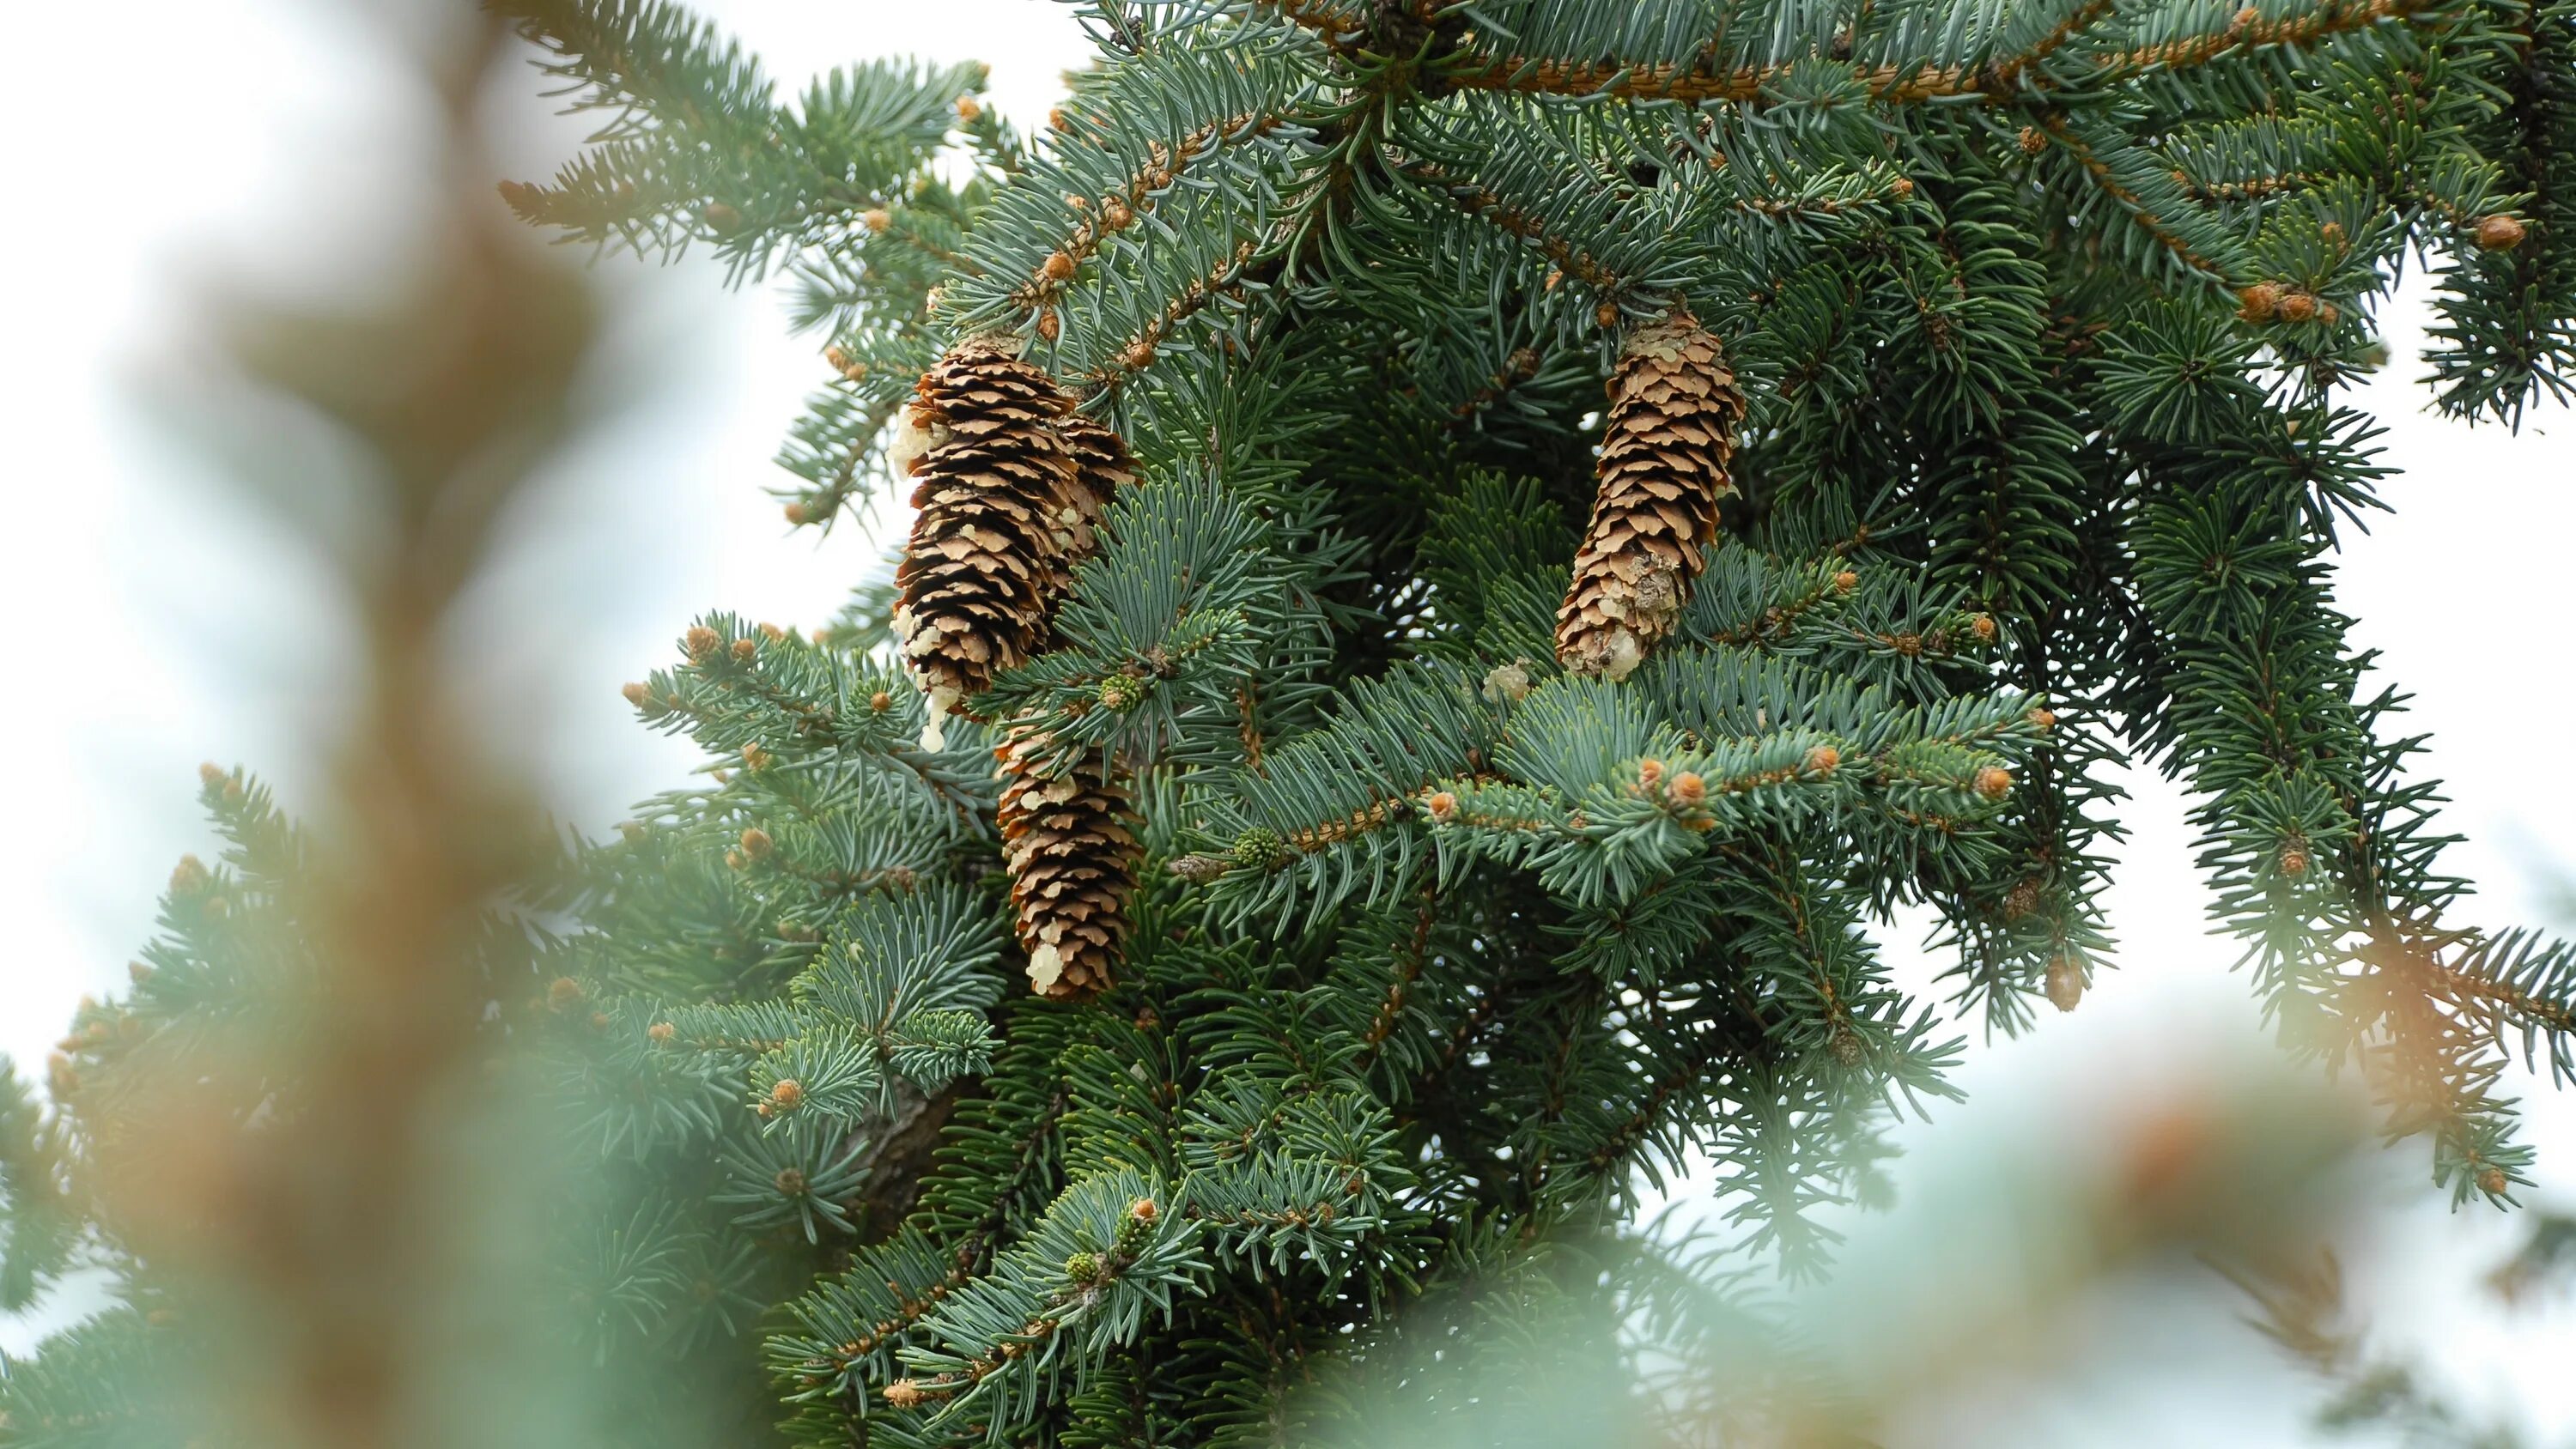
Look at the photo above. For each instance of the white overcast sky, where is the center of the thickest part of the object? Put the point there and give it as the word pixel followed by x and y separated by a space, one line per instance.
pixel 154 625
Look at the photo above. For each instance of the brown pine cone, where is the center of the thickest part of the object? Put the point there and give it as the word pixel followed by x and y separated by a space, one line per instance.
pixel 1673 415
pixel 978 573
pixel 1072 857
pixel 1101 467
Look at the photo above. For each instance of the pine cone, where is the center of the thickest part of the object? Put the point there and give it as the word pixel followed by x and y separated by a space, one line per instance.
pixel 980 571
pixel 1072 861
pixel 1673 413
pixel 1101 467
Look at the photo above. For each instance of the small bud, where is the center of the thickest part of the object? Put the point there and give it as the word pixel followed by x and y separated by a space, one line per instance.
pixel 2499 233
pixel 563 993
pixel 1055 118
pixel 1507 682
pixel 210 773
pixel 1983 626
pixel 1994 782
pixel 1138 357
pixel 1555 277
pixel 1823 760
pixel 722 217
pixel 734 860
pixel 2022 899
pixel 2492 1181
pixel 1904 186
pixel 1650 772
pixel 1846 581
pixel 2332 233
pixel 1845 1045
pixel 1442 805
pixel 969 109
pixel 2032 141
pixel 599 1021
pixel 2065 983
pixel 877 219
pixel 2297 307
pixel 756 758
pixel 1115 215
pixel 786 1094
pixel 661 1033
pixel 774 633
pixel 2248 18
pixel 905 1394
pixel 1083 1267
pixel 756 843
pixel 2294 858
pixel 1200 869
pixel 790 1181
pixel 1121 692
pixel 880 702
pixel 700 641
pixel 1607 314
pixel 189 876
pixel 745 650
pixel 2043 717
pixel 2257 303
pixel 1057 266
pixel 1143 1210
pixel 138 971
pixel 1050 326
pixel 636 694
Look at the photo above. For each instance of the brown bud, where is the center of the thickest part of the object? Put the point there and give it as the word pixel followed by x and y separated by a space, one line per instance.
pixel 790 1180
pixel 190 876
pixel 2248 18
pixel 1143 1210
pixel 1138 357
pixel 1050 326
pixel 775 633
pixel 138 971
pixel 1846 581
pixel 2492 1181
pixel 2065 983
pixel 756 843
pixel 1983 626
pixel 1115 215
pixel 877 219
pixel 1823 760
pixel 1555 277
pixel 211 773
pixel 795 511
pixel 2499 233
pixel 1442 805
pixel 2257 303
pixel 722 217
pixel 700 641
pixel 2294 858
pixel 734 859
pixel 1688 788
pixel 1055 118
pixel 2297 307
pixel 786 1093
pixel 745 650
pixel 2032 141
pixel 1057 267
pixel 2332 232
pixel 563 992
pixel 1994 782
pixel 905 1394
pixel 1606 314
pixel 661 1033
pixel 2022 899
pixel 756 758
pixel 1904 186
pixel 2043 717
pixel 880 702
pixel 1650 772
pixel 969 109
pixel 636 694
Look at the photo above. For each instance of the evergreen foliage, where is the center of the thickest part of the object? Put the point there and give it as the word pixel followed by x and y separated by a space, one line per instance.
pixel 2038 311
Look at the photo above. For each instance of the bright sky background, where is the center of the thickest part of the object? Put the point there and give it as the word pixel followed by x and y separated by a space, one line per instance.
pixel 154 625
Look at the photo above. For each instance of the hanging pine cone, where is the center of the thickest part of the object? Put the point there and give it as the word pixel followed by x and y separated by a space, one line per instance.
pixel 1101 467
pixel 979 573
pixel 1673 413
pixel 1072 861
